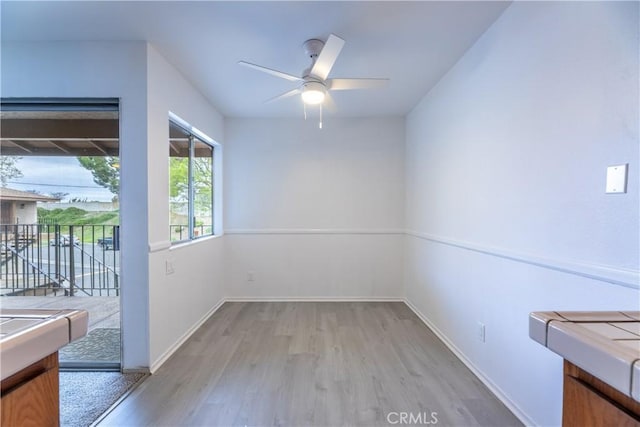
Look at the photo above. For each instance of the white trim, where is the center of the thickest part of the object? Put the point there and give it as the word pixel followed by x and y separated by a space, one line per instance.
pixel 165 244
pixel 159 246
pixel 194 130
pixel 167 354
pixel 614 275
pixel 476 371
pixel 315 299
pixel 187 243
pixel 315 231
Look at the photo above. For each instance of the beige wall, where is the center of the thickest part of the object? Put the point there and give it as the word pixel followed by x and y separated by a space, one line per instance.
pixel 19 212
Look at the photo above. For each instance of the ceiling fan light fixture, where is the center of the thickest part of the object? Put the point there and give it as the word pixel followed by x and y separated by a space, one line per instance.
pixel 313 93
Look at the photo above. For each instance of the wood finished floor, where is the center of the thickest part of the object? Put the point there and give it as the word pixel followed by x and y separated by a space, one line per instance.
pixel 311 364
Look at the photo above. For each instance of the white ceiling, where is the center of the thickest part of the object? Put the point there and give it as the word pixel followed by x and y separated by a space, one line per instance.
pixel 412 43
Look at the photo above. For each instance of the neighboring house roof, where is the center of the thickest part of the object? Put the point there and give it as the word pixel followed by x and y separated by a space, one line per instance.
pixel 9 194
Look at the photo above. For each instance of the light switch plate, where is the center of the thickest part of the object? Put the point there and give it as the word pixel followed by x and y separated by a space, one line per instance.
pixel 617 179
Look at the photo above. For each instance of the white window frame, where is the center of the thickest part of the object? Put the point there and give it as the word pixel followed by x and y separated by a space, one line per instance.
pixel 216 181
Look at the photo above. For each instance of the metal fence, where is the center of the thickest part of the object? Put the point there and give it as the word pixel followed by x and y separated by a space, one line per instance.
pixel 53 259
pixel 180 232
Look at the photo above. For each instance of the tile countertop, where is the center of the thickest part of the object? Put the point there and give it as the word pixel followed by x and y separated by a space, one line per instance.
pixel 27 336
pixel 605 344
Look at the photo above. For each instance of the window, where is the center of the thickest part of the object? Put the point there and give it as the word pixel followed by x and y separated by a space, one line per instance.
pixel 190 183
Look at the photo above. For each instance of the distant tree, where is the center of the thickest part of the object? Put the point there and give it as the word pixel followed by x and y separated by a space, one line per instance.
pixel 105 171
pixel 8 169
pixel 202 183
pixel 179 181
pixel 59 195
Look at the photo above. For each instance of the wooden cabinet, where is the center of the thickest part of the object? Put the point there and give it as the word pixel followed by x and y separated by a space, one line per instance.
pixel 587 401
pixel 31 396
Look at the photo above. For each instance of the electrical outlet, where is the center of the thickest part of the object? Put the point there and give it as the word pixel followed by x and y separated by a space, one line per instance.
pixel 250 276
pixel 481 332
pixel 168 267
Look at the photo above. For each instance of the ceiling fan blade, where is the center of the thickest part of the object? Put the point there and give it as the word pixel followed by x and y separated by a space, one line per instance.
pixel 350 84
pixel 284 95
pixel 327 57
pixel 270 71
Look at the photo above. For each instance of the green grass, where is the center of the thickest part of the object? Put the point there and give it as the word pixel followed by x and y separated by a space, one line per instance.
pixel 75 216
pixel 96 224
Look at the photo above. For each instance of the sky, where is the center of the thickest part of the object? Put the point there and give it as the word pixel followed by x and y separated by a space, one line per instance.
pixel 58 174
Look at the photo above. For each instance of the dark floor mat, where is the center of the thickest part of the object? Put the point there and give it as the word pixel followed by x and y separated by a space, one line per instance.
pixel 84 396
pixel 99 345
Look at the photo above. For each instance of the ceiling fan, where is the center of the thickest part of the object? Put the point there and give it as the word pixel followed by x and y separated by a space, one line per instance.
pixel 314 85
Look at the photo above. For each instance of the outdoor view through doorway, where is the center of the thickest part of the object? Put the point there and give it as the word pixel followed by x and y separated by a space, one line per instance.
pixel 60 217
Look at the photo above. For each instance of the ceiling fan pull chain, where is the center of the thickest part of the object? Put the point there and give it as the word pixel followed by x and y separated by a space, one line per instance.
pixel 304 106
pixel 320 124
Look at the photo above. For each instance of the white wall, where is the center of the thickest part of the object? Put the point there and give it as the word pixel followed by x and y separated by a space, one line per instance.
pixel 179 301
pixel 102 70
pixel 505 175
pixel 314 213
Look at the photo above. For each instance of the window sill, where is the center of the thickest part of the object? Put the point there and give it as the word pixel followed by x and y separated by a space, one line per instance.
pixel 164 245
pixel 179 245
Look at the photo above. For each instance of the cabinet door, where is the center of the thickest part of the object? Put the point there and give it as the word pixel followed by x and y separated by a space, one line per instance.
pixel 30 398
pixel 584 407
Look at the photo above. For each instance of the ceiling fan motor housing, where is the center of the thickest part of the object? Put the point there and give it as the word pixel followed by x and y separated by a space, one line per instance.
pixel 313 48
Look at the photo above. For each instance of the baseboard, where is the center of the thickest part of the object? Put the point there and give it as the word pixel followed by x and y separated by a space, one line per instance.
pixel 477 372
pixel 167 354
pixel 315 299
